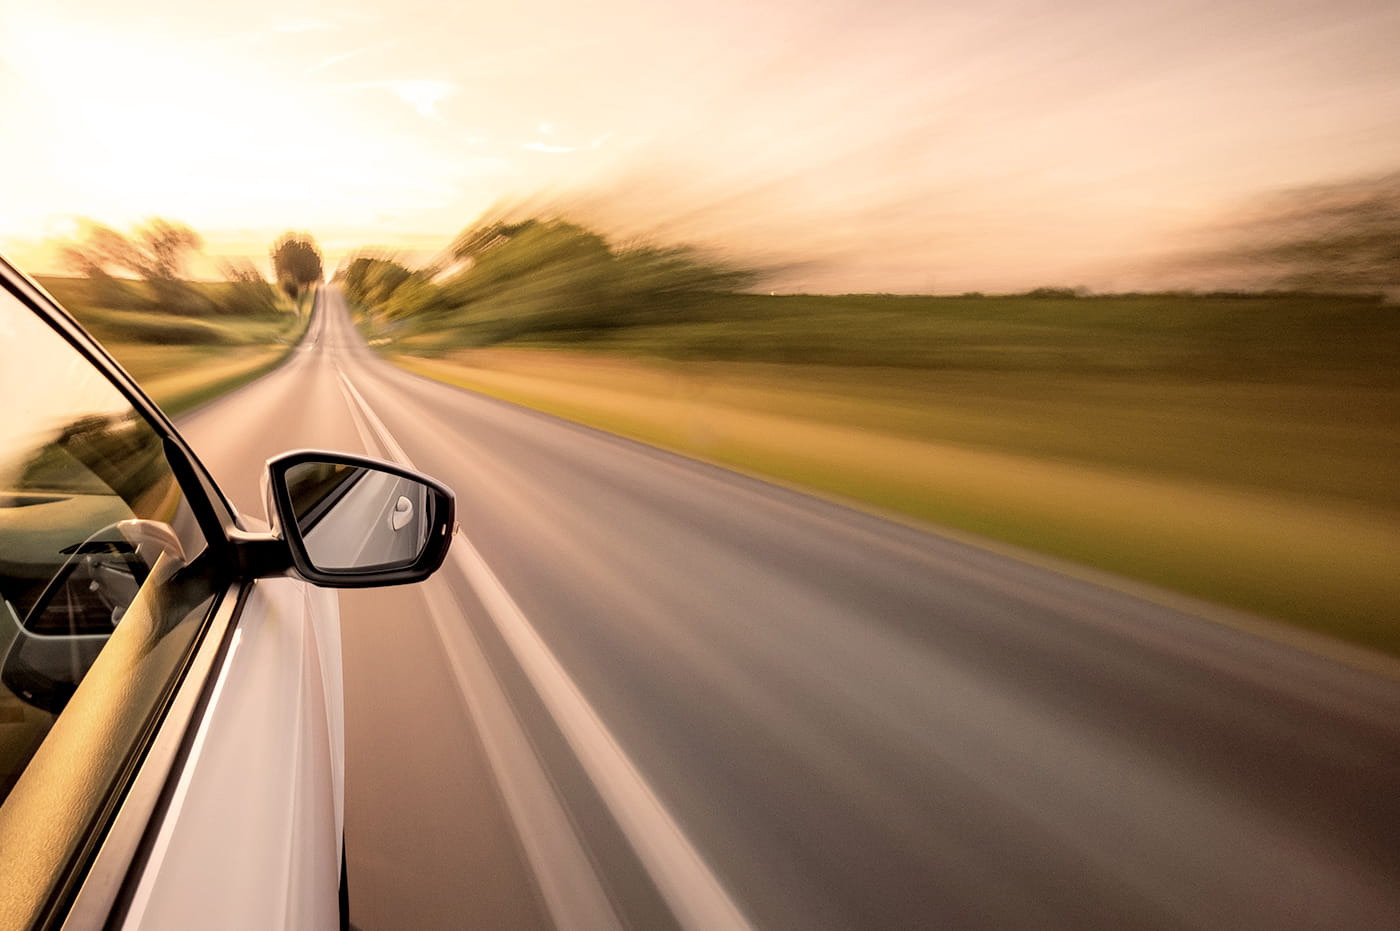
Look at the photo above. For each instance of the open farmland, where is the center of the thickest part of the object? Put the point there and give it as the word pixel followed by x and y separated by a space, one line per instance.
pixel 1239 449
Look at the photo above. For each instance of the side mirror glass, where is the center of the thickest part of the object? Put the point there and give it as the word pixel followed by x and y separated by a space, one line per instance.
pixel 351 521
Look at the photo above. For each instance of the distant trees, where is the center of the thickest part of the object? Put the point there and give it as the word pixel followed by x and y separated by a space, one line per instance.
pixel 148 268
pixel 1049 293
pixel 1337 237
pixel 552 276
pixel 476 240
pixel 156 253
pixel 247 292
pixel 370 280
pixel 296 262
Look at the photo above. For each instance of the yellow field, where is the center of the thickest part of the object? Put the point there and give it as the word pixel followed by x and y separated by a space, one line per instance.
pixel 1322 560
pixel 178 379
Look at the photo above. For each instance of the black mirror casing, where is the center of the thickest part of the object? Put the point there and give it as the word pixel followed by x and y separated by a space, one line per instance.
pixel 348 499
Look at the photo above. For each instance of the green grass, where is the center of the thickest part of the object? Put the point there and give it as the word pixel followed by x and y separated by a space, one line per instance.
pixel 1304 337
pixel 1242 450
pixel 183 361
pixel 181 378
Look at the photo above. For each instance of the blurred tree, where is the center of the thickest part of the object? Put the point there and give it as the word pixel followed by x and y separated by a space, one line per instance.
pixel 87 261
pixel 552 276
pixel 370 281
pixel 296 259
pixel 1338 237
pixel 678 272
pixel 478 239
pixel 156 253
pixel 247 292
pixel 533 276
pixel 539 276
pixel 163 247
pixel 419 298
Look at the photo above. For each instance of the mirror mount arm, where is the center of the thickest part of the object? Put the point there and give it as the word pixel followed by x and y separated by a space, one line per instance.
pixel 259 555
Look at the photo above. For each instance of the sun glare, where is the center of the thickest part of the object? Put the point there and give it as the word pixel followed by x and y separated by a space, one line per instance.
pixel 127 114
pixel 204 132
pixel 860 136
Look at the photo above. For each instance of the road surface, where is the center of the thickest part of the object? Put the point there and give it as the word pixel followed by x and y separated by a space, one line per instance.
pixel 645 692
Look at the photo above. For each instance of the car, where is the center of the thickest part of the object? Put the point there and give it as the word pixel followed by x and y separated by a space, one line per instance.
pixel 171 723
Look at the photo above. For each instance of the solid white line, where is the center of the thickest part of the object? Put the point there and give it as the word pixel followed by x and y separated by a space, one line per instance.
pixel 689 887
pixel 695 895
pixel 386 439
pixel 567 879
pixel 357 419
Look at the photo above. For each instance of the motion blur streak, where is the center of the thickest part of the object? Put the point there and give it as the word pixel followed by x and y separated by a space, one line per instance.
pixel 893 146
pixel 697 898
pixel 567 880
pixel 560 864
pixel 853 723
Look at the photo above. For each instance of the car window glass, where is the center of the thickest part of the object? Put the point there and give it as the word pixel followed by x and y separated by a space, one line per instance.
pixel 90 515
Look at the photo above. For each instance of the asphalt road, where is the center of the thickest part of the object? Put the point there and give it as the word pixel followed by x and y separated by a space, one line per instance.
pixel 647 692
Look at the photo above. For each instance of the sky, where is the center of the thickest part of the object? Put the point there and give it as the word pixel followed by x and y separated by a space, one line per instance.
pixel 850 145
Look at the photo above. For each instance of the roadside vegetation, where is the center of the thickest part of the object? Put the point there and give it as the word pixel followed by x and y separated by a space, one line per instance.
pixel 186 342
pixel 1239 447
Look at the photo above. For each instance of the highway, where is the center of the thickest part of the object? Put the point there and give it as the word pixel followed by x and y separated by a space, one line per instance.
pixel 646 692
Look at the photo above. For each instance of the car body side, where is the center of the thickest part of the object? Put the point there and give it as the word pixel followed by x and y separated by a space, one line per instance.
pixel 227 811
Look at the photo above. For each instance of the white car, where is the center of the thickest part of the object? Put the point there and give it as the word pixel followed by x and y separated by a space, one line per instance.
pixel 171 733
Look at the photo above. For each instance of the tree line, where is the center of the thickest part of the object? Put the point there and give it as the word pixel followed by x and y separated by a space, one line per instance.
pixel 147 270
pixel 502 280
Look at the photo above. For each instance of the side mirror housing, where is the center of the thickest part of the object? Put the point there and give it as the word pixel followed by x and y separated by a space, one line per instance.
pixel 355 522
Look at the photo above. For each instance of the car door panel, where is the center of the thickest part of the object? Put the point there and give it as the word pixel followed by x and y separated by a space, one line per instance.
pixel 54 816
pixel 170 682
pixel 253 794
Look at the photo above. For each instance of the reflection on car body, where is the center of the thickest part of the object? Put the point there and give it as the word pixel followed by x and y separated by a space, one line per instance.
pixel 62 633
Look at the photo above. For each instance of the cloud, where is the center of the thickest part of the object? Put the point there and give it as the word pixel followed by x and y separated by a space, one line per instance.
pixel 546 147
pixel 353 53
pixel 422 95
pixel 552 148
pixel 302 25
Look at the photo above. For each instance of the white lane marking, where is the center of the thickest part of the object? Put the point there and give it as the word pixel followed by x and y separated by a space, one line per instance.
pixel 689 887
pixel 567 879
pixel 357 418
pixel 695 895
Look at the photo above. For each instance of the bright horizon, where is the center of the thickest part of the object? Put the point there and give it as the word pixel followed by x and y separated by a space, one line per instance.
pixel 904 147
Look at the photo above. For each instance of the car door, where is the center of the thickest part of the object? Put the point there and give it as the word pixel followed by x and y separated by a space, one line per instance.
pixel 171 737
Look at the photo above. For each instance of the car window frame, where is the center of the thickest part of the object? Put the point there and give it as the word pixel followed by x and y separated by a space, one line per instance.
pixel 214 511
pixel 97 867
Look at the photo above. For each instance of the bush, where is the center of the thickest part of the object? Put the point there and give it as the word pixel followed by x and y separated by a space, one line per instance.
pixel 246 293
pixel 173 332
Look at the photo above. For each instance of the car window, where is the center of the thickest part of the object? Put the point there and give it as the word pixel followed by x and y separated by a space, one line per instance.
pixel 91 517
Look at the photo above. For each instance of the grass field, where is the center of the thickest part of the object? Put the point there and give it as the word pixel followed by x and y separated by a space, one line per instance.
pixel 1273 337
pixel 183 361
pixel 1239 451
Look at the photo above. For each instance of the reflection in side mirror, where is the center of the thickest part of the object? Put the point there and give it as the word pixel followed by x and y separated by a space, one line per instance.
pixel 355 518
pixel 350 521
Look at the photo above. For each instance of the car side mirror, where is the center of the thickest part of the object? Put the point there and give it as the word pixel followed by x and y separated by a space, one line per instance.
pixel 356 522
